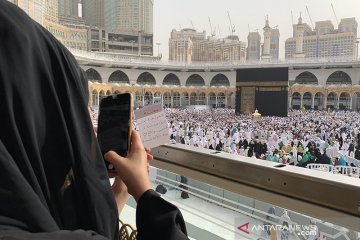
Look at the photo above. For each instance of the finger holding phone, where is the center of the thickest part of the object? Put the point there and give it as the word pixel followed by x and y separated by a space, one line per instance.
pixel 133 169
pixel 122 148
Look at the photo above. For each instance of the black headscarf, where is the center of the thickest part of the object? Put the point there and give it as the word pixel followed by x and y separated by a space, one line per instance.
pixel 52 173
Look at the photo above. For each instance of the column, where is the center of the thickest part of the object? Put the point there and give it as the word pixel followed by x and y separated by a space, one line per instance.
pixel 216 100
pixel 312 101
pixel 90 99
pixel 180 99
pixel 97 99
pixel 143 100
pixel 207 100
pixel 226 100
pixel 153 98
pixel 162 100
pixel 338 102
pixel 325 102
pixel 351 104
pixel 172 100
pixel 290 102
pixel 301 100
pixel 189 99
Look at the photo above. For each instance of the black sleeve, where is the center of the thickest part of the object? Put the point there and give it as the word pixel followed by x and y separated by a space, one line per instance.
pixel 158 219
pixel 57 235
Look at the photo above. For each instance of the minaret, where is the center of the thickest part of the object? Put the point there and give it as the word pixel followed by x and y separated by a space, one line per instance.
pixel 299 38
pixel 267 37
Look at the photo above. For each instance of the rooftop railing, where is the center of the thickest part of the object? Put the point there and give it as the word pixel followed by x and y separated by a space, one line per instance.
pixel 131 59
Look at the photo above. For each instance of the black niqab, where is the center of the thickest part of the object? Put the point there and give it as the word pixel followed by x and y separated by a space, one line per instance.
pixel 52 173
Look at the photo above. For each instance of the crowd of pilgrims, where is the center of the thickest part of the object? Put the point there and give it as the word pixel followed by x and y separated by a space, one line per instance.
pixel 299 139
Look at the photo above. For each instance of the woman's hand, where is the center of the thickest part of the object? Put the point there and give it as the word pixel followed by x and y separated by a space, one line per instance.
pixel 120 192
pixel 133 169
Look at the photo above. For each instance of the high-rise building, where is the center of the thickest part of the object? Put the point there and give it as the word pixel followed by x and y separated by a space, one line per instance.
pixel 188 45
pixel 101 40
pixel 129 16
pixel 69 13
pixel 324 41
pixel 68 8
pixel 93 12
pixel 46 13
pixel 254 46
pixel 270 48
pixel 274 43
pixel 267 40
pixel 34 8
pixel 181 44
pixel 51 12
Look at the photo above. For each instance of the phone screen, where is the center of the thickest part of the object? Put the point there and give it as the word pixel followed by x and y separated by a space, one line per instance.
pixel 114 124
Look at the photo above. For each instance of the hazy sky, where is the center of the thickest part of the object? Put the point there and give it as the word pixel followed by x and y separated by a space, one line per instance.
pixel 171 14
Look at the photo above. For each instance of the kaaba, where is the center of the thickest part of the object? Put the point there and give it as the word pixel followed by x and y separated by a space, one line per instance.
pixel 264 89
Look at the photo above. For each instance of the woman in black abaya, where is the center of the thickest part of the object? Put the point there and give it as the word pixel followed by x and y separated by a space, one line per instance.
pixel 53 182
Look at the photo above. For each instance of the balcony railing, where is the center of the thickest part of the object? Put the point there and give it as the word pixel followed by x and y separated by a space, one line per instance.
pixel 321 195
pixel 230 197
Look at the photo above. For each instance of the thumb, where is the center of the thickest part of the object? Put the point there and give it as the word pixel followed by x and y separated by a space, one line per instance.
pixel 136 143
pixel 115 159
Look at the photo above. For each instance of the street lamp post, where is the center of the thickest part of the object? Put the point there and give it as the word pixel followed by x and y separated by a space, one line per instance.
pixel 158 44
pixel 132 46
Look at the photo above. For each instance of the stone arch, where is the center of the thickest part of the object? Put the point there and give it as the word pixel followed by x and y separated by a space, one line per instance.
pixel 296 100
pixel 201 99
pixel 171 79
pixel 93 75
pixel 94 98
pixel 221 99
pixel 176 99
pixel 193 97
pixel 157 97
pixel 339 77
pixel 306 78
pixel 101 95
pixel 307 100
pixel 148 98
pixel 331 100
pixel 195 80
pixel 167 99
pixel 138 98
pixel 108 93
pixel 344 101
pixel 185 98
pixel 212 99
pixel 119 77
pixel 146 78
pixel 319 101
pixel 220 80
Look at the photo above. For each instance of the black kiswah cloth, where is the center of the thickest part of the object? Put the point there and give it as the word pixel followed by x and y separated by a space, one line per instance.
pixel 53 180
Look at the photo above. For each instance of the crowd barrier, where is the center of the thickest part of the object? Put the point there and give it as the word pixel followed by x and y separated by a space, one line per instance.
pixel 344 170
pixel 321 167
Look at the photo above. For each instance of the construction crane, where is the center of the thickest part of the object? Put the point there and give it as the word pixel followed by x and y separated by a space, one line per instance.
pixel 307 10
pixel 219 31
pixel 332 7
pixel 212 31
pixel 232 27
pixel 192 24
pixel 292 19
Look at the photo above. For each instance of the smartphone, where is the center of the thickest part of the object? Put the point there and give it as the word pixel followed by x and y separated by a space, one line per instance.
pixel 114 125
